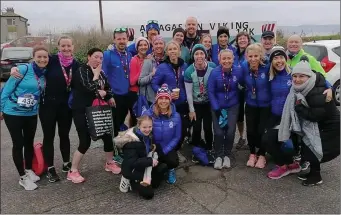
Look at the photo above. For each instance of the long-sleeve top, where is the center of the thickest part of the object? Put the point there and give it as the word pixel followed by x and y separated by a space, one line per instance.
pixel 136 64
pixel 85 89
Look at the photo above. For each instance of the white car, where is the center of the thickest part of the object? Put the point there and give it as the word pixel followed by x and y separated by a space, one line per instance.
pixel 328 53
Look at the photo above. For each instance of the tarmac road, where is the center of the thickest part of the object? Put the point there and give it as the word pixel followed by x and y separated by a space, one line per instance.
pixel 199 190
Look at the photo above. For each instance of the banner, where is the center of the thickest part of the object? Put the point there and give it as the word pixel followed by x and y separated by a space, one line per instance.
pixel 255 29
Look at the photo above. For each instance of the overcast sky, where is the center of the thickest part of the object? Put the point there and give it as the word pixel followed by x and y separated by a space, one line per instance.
pixel 64 15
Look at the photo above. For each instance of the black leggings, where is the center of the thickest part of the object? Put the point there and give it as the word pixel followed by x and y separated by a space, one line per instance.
pixel 171 159
pixel 147 192
pixel 183 110
pixel 22 130
pixel 79 119
pixel 256 118
pixel 124 103
pixel 241 113
pixel 50 116
pixel 204 116
pixel 272 145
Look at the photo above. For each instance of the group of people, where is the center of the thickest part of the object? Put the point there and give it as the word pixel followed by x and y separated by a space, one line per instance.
pixel 189 84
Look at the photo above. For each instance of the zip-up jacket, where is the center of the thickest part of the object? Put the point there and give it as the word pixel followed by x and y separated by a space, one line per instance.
pixel 114 70
pixel 280 88
pixel 166 131
pixel 215 52
pixel 220 96
pixel 260 84
pixel 314 64
pixel 26 87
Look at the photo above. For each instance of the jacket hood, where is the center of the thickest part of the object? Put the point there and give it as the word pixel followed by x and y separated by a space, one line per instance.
pixel 151 113
pixel 125 137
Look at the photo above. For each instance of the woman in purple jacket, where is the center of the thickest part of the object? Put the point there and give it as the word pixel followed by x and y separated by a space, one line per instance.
pixel 166 130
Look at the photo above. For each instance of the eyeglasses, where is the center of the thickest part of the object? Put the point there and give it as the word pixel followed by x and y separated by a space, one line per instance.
pixel 121 30
pixel 152 22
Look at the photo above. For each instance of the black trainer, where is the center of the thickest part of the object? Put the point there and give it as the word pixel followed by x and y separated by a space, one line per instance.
pixel 195 159
pixel 303 176
pixel 52 175
pixel 313 179
pixel 67 167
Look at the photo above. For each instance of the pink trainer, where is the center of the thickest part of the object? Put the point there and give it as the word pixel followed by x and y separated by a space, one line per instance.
pixel 75 177
pixel 112 167
pixel 252 160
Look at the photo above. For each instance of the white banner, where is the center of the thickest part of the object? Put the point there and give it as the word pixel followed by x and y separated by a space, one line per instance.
pixel 255 29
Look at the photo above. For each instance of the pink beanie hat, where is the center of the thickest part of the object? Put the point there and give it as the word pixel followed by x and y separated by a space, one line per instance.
pixel 138 40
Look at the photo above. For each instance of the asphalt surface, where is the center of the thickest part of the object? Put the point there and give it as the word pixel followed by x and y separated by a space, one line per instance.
pixel 199 190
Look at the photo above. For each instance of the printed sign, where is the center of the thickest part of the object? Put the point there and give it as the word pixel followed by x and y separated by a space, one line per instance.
pixel 255 29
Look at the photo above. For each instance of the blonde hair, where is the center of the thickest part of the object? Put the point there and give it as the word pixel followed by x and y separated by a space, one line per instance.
pixel 273 71
pixel 204 36
pixel 258 48
pixel 227 51
pixel 174 43
pixel 64 37
pixel 143 118
pixel 157 110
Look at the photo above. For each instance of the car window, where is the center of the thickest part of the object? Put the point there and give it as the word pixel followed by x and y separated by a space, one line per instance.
pixel 16 54
pixel 336 50
pixel 319 52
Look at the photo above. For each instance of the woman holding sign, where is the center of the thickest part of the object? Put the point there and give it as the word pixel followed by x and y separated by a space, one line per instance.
pixel 19 107
pixel 89 84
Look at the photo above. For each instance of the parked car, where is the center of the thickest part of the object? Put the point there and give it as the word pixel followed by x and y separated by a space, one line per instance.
pixel 13 56
pixel 26 41
pixel 328 53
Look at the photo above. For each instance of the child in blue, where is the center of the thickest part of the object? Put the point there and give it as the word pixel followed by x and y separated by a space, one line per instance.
pixel 19 107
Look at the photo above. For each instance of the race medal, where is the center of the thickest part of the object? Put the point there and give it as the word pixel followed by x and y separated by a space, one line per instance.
pixel 26 100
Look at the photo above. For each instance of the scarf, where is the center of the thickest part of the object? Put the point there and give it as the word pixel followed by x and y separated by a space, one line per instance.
pixel 65 61
pixel 291 122
pixel 37 70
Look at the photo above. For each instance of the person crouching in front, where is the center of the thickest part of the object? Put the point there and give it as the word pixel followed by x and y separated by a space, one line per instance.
pixel 137 145
pixel 166 130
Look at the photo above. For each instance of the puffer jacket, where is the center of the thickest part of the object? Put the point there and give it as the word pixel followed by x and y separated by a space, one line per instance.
pixel 165 74
pixel 166 131
pixel 239 57
pixel 135 153
pixel 262 85
pixel 280 88
pixel 216 90
pixel 326 115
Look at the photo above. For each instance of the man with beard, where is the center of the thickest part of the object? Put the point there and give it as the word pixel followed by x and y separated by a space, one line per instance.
pixel 152 29
pixel 116 63
pixel 191 36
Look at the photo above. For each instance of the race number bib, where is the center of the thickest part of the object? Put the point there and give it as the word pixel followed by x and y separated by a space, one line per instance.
pixel 27 100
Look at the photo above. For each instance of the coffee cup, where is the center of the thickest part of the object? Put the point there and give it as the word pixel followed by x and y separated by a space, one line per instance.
pixel 176 91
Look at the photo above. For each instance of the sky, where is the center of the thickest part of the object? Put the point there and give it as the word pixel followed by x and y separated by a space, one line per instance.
pixel 65 15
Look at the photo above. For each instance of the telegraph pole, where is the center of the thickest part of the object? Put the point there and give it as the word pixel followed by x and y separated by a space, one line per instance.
pixel 101 15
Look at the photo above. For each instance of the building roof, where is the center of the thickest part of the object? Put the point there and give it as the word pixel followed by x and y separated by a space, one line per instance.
pixel 11 14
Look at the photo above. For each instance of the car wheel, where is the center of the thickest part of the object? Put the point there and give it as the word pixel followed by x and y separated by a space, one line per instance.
pixel 336 94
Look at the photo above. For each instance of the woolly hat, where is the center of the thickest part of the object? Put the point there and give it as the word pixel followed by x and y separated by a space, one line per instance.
pixel 179 30
pixel 278 51
pixel 139 39
pixel 153 26
pixel 163 91
pixel 157 38
pixel 303 67
pixel 198 47
pixel 223 30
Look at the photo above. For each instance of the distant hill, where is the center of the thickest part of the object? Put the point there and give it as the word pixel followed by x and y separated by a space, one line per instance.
pixel 310 30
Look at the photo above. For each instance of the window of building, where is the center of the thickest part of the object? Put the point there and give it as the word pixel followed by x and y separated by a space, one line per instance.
pixel 10 21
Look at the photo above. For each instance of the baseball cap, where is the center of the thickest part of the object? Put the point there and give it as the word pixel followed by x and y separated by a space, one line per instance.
pixel 268 34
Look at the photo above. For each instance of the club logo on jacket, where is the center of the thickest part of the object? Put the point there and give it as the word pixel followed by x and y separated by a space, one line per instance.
pixel 262 75
pixel 234 78
pixel 289 82
pixel 171 125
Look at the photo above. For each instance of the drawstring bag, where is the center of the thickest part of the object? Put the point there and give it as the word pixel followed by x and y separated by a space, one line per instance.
pixel 99 118
pixel 38 164
pixel 201 155
pixel 140 106
pixel 223 119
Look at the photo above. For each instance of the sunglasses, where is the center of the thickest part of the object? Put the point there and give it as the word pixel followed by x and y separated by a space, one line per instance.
pixel 152 22
pixel 120 30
